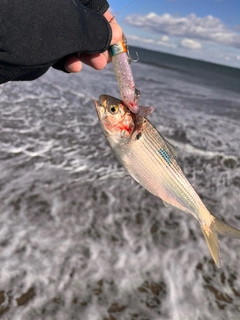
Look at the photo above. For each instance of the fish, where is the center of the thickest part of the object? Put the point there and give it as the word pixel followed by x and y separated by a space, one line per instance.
pixel 121 61
pixel 151 160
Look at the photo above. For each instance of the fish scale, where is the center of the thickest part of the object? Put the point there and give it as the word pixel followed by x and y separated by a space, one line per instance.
pixel 146 150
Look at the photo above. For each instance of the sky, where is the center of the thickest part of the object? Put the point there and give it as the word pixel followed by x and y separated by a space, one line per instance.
pixel 207 30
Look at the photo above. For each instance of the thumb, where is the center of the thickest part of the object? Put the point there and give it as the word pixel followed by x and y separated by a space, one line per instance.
pixel 116 29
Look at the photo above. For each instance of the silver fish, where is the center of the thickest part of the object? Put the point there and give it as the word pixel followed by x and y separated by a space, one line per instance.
pixel 149 158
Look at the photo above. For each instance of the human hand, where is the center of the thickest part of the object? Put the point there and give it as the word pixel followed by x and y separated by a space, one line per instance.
pixel 97 61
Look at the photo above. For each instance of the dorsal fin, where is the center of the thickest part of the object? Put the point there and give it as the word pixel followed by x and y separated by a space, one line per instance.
pixel 166 204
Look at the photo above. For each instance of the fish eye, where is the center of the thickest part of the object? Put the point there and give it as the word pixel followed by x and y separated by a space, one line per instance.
pixel 113 109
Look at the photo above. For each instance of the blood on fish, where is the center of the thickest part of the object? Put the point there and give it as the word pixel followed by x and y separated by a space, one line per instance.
pixel 121 127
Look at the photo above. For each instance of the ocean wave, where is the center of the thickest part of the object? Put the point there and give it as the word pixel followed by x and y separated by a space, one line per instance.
pixel 79 238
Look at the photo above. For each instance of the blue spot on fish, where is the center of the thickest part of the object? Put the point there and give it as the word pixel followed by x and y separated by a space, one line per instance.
pixel 165 155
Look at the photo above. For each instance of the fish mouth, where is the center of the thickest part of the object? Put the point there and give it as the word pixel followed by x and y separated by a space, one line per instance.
pixel 103 98
pixel 99 108
pixel 102 103
pixel 97 104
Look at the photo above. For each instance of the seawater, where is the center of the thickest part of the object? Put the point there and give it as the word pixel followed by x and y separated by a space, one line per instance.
pixel 79 238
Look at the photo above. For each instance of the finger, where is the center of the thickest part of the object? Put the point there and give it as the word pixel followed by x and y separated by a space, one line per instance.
pixel 107 56
pixel 116 29
pixel 116 33
pixel 73 64
pixel 108 16
pixel 97 61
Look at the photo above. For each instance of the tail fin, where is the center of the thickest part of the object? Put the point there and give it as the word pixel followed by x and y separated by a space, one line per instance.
pixel 220 227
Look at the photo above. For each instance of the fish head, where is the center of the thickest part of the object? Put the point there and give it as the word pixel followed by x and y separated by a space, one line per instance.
pixel 117 121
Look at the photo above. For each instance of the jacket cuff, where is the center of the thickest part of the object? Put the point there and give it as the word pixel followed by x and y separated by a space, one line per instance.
pixel 100 6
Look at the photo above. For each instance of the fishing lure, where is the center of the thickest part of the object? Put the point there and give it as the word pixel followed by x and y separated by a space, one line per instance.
pixel 121 61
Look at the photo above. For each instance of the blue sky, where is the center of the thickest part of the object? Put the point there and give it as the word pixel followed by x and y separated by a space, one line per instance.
pixel 202 29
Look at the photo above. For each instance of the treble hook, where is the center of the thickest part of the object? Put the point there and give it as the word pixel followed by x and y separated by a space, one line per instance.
pixel 130 59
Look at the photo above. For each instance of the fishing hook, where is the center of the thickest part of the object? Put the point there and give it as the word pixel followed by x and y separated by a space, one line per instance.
pixel 130 59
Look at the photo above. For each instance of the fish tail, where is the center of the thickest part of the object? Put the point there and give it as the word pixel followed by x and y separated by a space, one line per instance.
pixel 210 233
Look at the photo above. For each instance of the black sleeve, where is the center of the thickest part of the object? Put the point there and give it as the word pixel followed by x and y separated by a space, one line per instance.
pixel 35 35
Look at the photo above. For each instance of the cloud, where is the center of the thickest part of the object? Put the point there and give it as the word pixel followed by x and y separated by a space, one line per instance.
pixel 192 44
pixel 191 27
pixel 238 57
pixel 162 42
pixel 164 38
pixel 237 28
pixel 136 38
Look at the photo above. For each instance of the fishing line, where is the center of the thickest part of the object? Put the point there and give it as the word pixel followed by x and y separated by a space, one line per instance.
pixel 122 9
